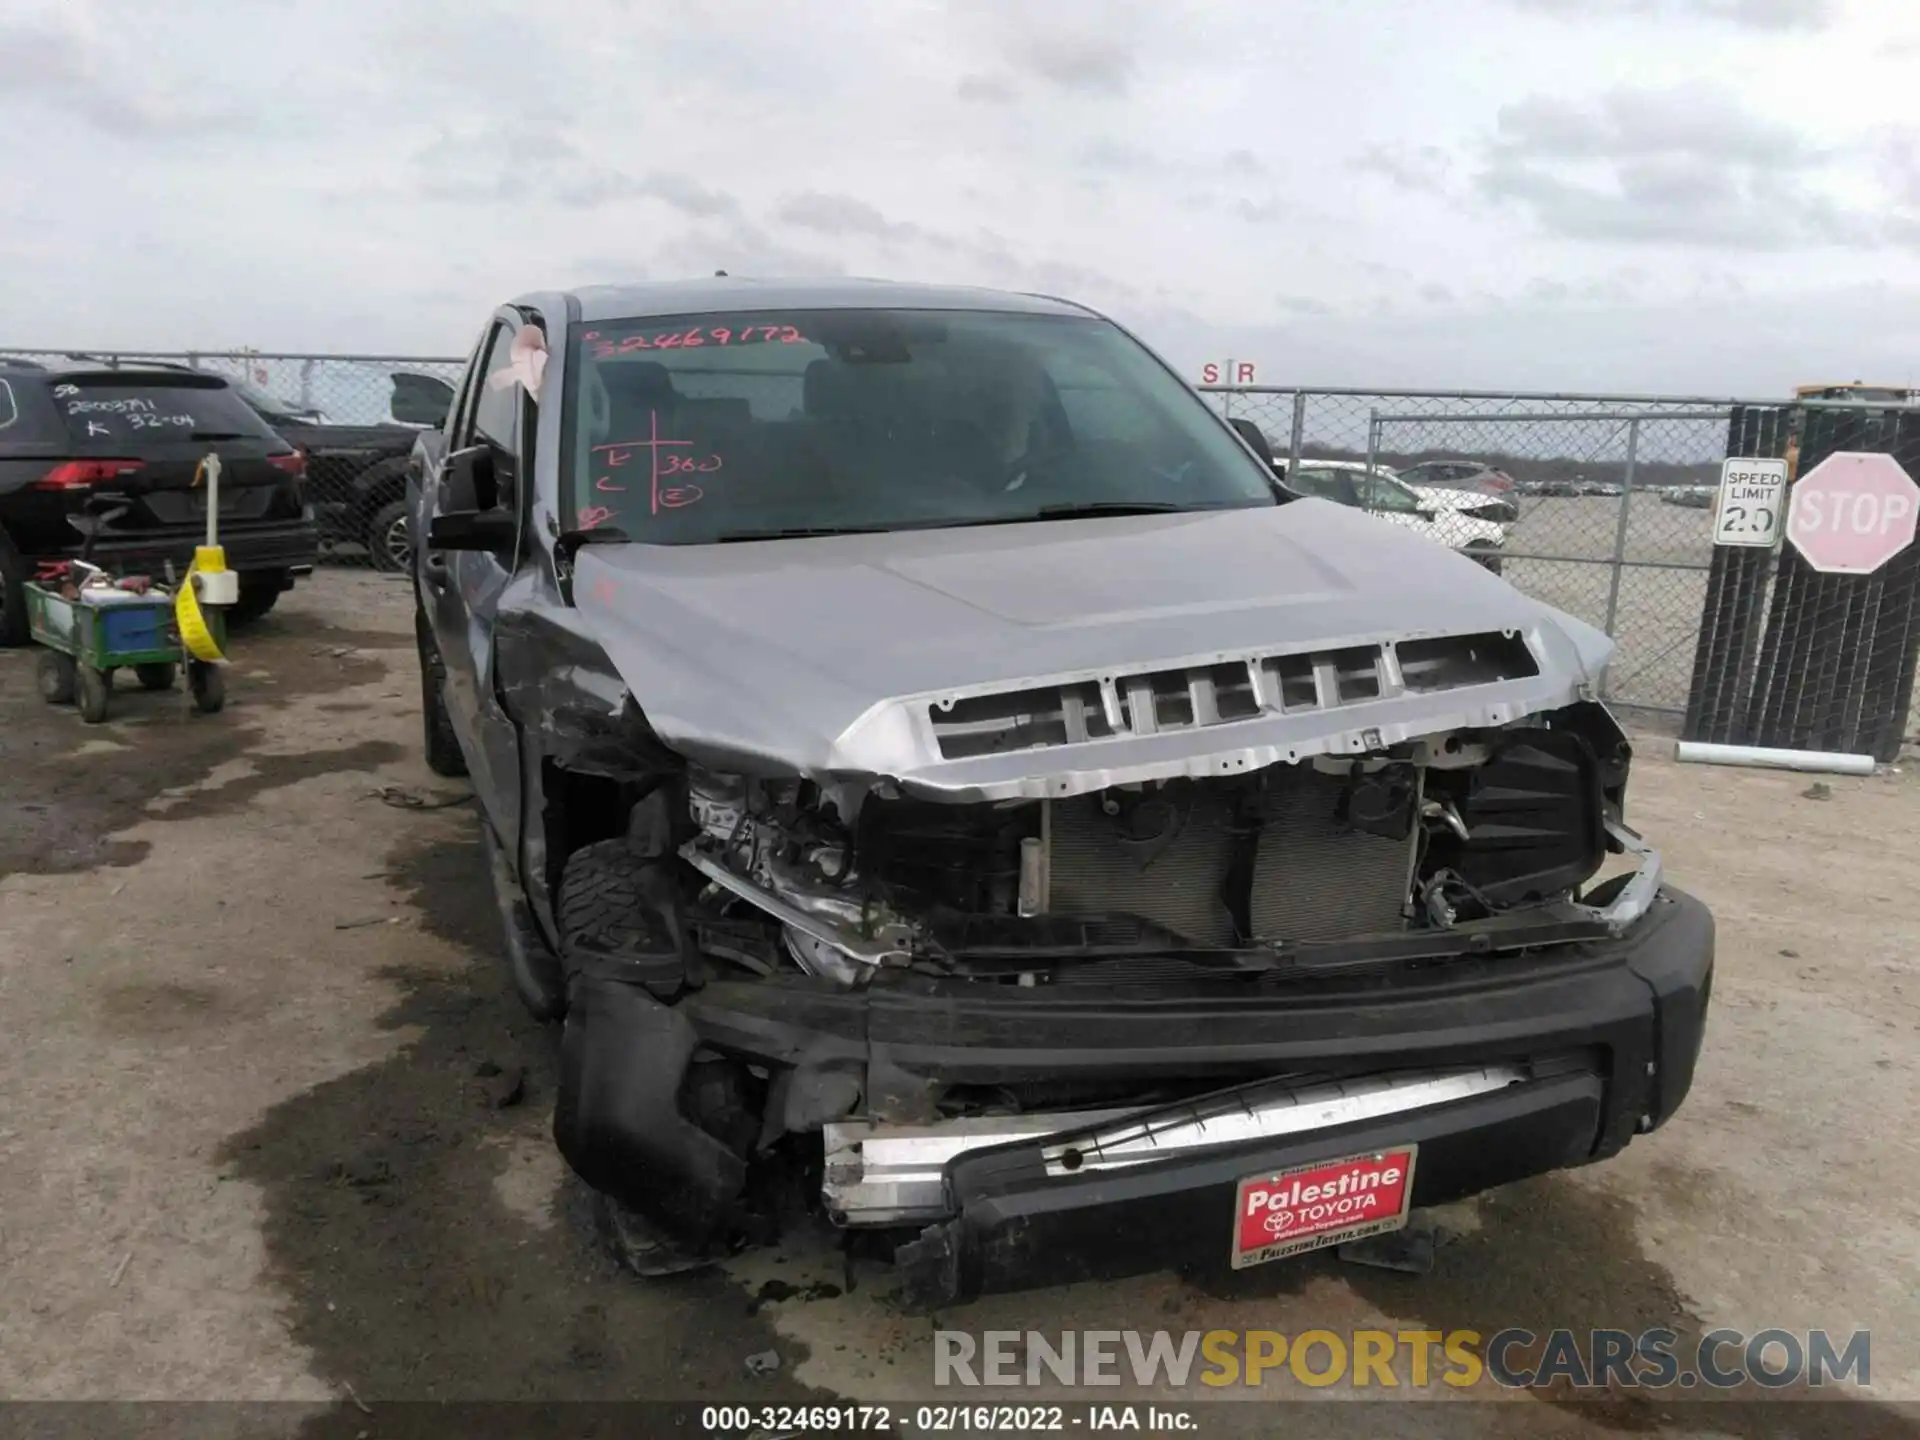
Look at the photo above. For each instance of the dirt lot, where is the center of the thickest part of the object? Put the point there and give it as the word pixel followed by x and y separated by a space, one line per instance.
pixel 262 1136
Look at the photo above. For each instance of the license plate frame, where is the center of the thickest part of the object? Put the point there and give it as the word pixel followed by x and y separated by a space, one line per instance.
pixel 1305 1207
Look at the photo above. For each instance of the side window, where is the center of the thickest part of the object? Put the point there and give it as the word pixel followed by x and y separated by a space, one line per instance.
pixel 496 409
pixel 9 409
pixel 460 412
pixel 494 421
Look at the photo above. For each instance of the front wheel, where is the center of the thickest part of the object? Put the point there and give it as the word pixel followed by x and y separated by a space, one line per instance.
pixel 208 684
pixel 390 538
pixel 94 688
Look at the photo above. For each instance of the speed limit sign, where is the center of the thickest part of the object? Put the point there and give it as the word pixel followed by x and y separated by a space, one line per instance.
pixel 1752 499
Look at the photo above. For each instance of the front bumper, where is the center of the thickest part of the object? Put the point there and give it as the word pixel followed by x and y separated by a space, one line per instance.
pixel 1602 1038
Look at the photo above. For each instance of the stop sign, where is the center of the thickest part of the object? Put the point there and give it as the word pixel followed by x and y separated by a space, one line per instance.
pixel 1853 512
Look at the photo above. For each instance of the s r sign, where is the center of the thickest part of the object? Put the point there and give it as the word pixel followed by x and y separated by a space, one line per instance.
pixel 1227 372
pixel 1752 500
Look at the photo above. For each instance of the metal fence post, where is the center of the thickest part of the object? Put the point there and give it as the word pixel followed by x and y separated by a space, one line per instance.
pixel 1620 528
pixel 1299 428
pixel 1373 438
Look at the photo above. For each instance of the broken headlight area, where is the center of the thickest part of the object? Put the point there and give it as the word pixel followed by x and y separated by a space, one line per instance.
pixel 1458 843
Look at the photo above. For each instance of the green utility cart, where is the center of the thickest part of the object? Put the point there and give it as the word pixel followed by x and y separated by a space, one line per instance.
pixel 85 640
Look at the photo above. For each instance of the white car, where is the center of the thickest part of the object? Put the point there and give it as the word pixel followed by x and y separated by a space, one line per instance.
pixel 1463 520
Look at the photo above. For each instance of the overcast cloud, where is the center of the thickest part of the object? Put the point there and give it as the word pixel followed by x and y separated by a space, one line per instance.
pixel 1699 195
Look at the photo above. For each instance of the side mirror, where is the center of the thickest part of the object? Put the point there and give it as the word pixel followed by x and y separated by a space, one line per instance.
pixel 466 480
pixel 1254 436
pixel 420 399
pixel 493 531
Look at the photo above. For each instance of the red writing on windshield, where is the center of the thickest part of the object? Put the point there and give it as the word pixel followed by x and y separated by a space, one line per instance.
pixel 666 458
pixel 681 339
pixel 595 516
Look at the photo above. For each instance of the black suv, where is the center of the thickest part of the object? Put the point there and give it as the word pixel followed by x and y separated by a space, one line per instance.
pixel 357 474
pixel 138 435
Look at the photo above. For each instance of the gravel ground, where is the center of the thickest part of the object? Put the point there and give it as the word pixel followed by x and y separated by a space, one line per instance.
pixel 273 1129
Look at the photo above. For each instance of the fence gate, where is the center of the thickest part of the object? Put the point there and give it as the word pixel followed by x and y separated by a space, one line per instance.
pixel 1794 658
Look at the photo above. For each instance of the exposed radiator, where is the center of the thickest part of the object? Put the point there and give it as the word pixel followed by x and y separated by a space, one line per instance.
pixel 1103 863
pixel 1167 855
pixel 1315 878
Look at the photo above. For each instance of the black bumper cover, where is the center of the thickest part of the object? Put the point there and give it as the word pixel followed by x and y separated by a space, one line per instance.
pixel 292 545
pixel 1612 1031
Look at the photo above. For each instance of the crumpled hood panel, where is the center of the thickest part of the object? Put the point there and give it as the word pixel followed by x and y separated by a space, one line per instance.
pixel 763 656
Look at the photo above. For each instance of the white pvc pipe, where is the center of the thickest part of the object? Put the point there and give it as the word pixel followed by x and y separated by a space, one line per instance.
pixel 1700 753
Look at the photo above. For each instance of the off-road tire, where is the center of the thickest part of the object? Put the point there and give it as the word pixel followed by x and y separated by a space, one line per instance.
pixel 437 735
pixel 607 924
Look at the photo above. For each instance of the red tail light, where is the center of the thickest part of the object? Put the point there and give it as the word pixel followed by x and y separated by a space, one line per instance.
pixel 79 474
pixel 295 464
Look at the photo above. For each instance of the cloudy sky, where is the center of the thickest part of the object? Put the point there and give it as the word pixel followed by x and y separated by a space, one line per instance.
pixel 1710 196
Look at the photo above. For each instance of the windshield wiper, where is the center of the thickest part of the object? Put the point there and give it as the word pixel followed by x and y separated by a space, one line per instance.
pixel 218 435
pixel 1104 507
pixel 798 532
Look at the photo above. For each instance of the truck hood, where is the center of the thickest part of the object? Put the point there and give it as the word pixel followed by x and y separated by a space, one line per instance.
pixel 832 657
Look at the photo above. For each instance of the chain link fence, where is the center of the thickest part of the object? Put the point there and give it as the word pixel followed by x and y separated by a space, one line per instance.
pixel 354 417
pixel 1598 505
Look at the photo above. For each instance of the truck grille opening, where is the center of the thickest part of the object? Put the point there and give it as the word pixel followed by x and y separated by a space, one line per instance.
pixel 1209 863
pixel 1020 720
pixel 1222 693
pixel 1457 661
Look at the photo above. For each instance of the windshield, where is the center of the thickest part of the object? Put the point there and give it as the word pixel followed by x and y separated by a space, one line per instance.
pixel 699 428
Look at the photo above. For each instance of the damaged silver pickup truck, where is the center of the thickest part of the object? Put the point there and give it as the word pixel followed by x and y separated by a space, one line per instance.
pixel 932 770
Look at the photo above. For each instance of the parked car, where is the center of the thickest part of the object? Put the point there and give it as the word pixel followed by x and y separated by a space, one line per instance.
pixel 1462 520
pixel 1458 475
pixel 67 435
pixel 928 765
pixel 1690 497
pixel 356 474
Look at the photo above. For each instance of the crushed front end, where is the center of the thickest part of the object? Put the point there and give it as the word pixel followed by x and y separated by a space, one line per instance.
pixel 1038 995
